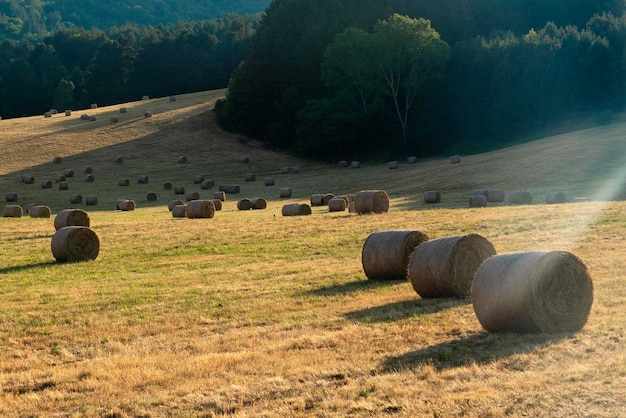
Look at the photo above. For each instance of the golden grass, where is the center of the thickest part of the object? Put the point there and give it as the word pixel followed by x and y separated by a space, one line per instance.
pixel 255 314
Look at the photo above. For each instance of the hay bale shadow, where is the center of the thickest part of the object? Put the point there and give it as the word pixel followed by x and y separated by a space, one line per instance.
pixel 351 287
pixel 404 309
pixel 26 267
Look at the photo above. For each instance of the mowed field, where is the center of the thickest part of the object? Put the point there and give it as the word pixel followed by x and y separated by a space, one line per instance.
pixel 253 314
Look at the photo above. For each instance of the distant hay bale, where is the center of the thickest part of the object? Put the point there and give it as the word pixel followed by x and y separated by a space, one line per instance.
pixel 84 117
pixel 259 203
pixel 411 160
pixel 28 179
pixel 284 192
pixel 59 177
pixel 207 184
pixel 123 110
pixel 200 209
pixel 88 169
pixel 57 160
pixel 477 201
pixel 317 199
pixel 198 179
pixel 179 189
pixel 147 115
pixel 268 181
pixel 371 201
pixel 12 211
pixel 445 267
pixel 64 185
pixel 555 198
pixel 284 170
pixel 386 254
pixel 68 172
pixel 93 106
pixel 250 177
pixel 244 204
pixel 230 188
pixel 115 119
pixel 172 98
pixel 54 111
pixel 11 197
pixel 496 195
pixel 143 179
pixel 537 291
pixel 151 197
pixel 173 203
pixel 327 198
pixel 296 209
pixel 192 196
pixel 91 200
pixel 123 182
pixel 40 211
pixel 126 205
pixel 521 197
pixel 119 160
pixel 30 206
pixel 455 159
pixel 481 193
pixel 342 163
pixel 355 164
pixel 46 184
pixel 182 159
pixel 93 118
pixel 219 196
pixel 179 211
pixel 76 199
pixel 581 199
pixel 337 204
pixel 145 97
pixel 68 112
pixel 351 208
pixel 71 217
pixel 432 196
pixel 47 115
pixel 393 165
pixel 217 203
pixel 244 159
pixel 167 185
pixel 90 178
pixel 75 243
pixel 294 169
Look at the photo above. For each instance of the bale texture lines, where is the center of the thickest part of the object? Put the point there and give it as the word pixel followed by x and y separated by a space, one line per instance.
pixel 386 254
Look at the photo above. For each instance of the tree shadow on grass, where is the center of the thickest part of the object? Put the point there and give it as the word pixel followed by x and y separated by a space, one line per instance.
pixel 404 309
pixel 26 267
pixel 480 348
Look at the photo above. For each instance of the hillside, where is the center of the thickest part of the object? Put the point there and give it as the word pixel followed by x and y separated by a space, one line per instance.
pixel 583 163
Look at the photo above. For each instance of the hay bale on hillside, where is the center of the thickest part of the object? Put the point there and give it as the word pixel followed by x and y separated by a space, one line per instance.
pixel 173 203
pixel 296 209
pixel 12 211
pixel 218 204
pixel 59 178
pixel 123 182
pixel 192 196
pixel 40 211
pixel 30 206
pixel 412 159
pixel 63 185
pixel 481 192
pixel 581 199
pixel 145 97
pixel 93 106
pixel 172 98
pixel 198 179
pixel 294 169
pixel 57 160
pixel 68 173
pixel 342 163
pixel 126 205
pixel 230 188
pixel 432 196
pixel 46 184
pixel 337 204
pixel 555 198
pixel 537 291
pixel 115 119
pixel 355 164
pixel 477 201
pixel 88 169
pixel 284 192
pixel 182 159
pixel 445 267
pixel 207 184
pixel 147 115
pixel 90 178
pixel 68 112
pixel 250 177
pixel 327 198
pixel 47 115
pixel 200 209
pixel 11 197
pixel 179 189
pixel 76 199
pixel 268 181
pixel 151 197
pixel 143 179
pixel 244 204
pixel 496 195
pixel 91 200
pixel 167 185
pixel 386 254
pixel 317 199
pixel 123 110
pixel 371 201
pixel 244 159
pixel 75 243
pixel 179 211
pixel 455 159
pixel 521 197
pixel 119 160
pixel 93 118
pixel 258 203
pixel 393 165
pixel 71 217
pixel 84 117
pixel 220 196
pixel 28 179
pixel 284 170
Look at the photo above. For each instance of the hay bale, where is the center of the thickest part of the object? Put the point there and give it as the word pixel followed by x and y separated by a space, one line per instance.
pixel 147 115
pixel 84 117
pixel 217 203
pixel 142 179
pixel 89 178
pixel 296 209
pixel 412 159
pixel 11 197
pixel 386 254
pixel 123 182
pixel 219 196
pixel 145 97
pixel 59 177
pixel 167 185
pixel 88 169
pixel 57 160
pixel 71 217
pixel 179 189
pixel 521 197
pixel 68 112
pixel 581 199
pixel 12 211
pixel 192 196
pixel 68 172
pixel 244 204
pixel 393 165
pixel 230 188
pixel 367 201
pixel 28 179
pixel 64 185
pixel 496 195
pixel 93 106
pixel 250 177
pixel 182 159
pixel 351 208
pixel 432 197
pixel 47 115
pixel 75 243
pixel 46 184
pixel 173 203
pixel 115 119
pixel 259 203
pixel 30 206
pixel 317 199
pixel 151 197
pixel 200 209
pixel 294 169
pixel 455 159
pixel 172 98
pixel 285 192
pixel 198 179
pixel 445 267
pixel 327 198
pixel 93 118
pixel 555 198
pixel 123 110
pixel 54 111
pixel 179 211
pixel 119 160
pixel 537 291
pixel 126 205
pixel 337 204
pixel 480 192
pixel 244 159
pixel 268 181
pixel 477 201
pixel 76 199
pixel 355 164
pixel 342 163
pixel 91 200
pixel 284 170
pixel 207 184
pixel 40 211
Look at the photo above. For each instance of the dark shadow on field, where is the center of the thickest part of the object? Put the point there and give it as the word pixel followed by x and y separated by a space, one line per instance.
pixel 480 348
pixel 26 267
pixel 356 286
pixel 405 309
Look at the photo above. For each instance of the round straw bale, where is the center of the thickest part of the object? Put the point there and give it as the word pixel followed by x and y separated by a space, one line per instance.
pixel 182 159
pixel 393 165
pixel 496 195
pixel 229 188
pixel 28 179
pixel 179 211
pixel 68 172
pixel 179 189
pixel 296 209
pixel 455 159
pixel 200 209
pixel 173 203
pixel 47 115
pixel 355 164
pixel 445 267
pixel 522 197
pixel 11 197
pixel 337 204
pixel 123 110
pixel 84 117
pixel 75 243
pixel 555 198
pixel 207 184
pixel 244 159
pixel 342 163
pixel 167 185
pixel 54 111
pixel 192 196
pixel 145 97
pixel 115 119
pixel 481 192
pixel 218 204
pixel 59 177
pixel 147 115
pixel 40 211
pixel 12 211
pixel 327 198
pixel 88 169
pixel 285 192
pixel 412 159
pixel 142 179
pixel 581 199
pixel 46 184
pixel 351 208
pixel 284 170
pixel 68 112
pixel 64 185
pixel 94 106
pixel 30 206
pixel 477 201
pixel 93 118
pixel 386 254
pixel 76 198
pixel 220 196
pixel 172 98
pixel 198 179
pixel 536 291
pixel 57 160
pixel 71 217
pixel 317 199
pixel 126 205
pixel 294 169
pixel 268 181
pixel 432 197
pixel 259 203
pixel 91 200
pixel 89 178
pixel 367 201
pixel 123 182
pixel 151 197
pixel 119 160
pixel 244 204
pixel 250 177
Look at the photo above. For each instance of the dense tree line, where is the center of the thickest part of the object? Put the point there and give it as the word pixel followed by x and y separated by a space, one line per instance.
pixel 513 67
pixel 74 68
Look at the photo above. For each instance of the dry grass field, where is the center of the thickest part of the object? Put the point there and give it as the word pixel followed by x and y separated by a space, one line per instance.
pixel 252 314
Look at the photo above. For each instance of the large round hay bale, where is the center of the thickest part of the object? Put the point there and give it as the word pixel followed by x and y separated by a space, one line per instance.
pixel 123 182
pixel 91 200
pixel 64 185
pixel 284 192
pixel 355 164
pixel 123 110
pixel 284 170
pixel 46 184
pixel 386 254
pixel 244 159
pixel 445 267
pixel 480 192
pixel 244 204
pixel 147 114
pixel 179 189
pixel 93 106
pixel 84 117
pixel 218 204
pixel 198 179
pixel 268 181
pixel 47 114
pixel 151 197
pixel 342 163
pixel 496 195
pixel 71 217
pixel 432 196
pixel 145 97
pixel 412 159
pixel 28 179
pixel 76 199
pixel 477 201
pixel 296 209
pixel 126 205
pixel 200 209
pixel 40 211
pixel 68 172
pixel 521 197
pixel 167 185
pixel 294 169
pixel 143 179
pixel 179 211
pixel 57 160
pixel 182 159
pixel 220 196
pixel 230 188
pixel 555 198
pixel 250 177
pixel 68 112
pixel 89 178
pixel 192 196
pixel 75 243
pixel 59 178
pixel 455 159
pixel 393 165
pixel 259 203
pixel 29 206
pixel 173 203
pixel 317 199
pixel 327 198
pixel 537 291
pixel 12 211
pixel 207 184
pixel 367 201
pixel 119 160
pixel 88 169
pixel 337 204
pixel 11 197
